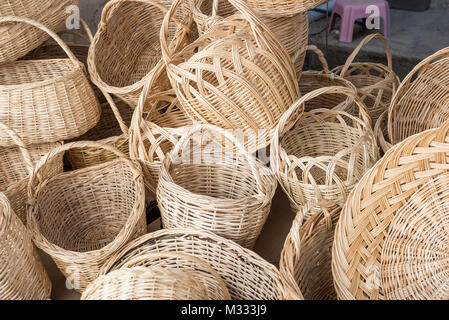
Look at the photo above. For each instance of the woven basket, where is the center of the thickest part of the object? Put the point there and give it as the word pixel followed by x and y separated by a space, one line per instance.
pixel 46 100
pixel 305 264
pixel 22 275
pixel 291 31
pixel 235 76
pixel 376 83
pixel 80 218
pixel 321 156
pixel 169 276
pixel 414 258
pixel 381 132
pixel 282 8
pixel 17 40
pixel 374 203
pixel 312 80
pixel 422 99
pixel 16 164
pixel 246 275
pixel 126 49
pixel 215 187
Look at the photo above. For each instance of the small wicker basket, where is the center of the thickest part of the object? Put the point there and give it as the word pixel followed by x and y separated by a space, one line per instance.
pixel 80 218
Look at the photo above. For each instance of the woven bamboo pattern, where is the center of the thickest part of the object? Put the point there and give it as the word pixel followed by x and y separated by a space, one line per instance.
pixel 81 217
pixel 235 76
pixel 197 275
pixel 305 264
pixel 52 97
pixel 291 31
pixel 421 101
pixel 17 40
pixel 381 132
pixel 126 49
pixel 22 274
pixel 414 253
pixel 219 190
pixel 16 164
pixel 246 275
pixel 282 8
pixel 322 155
pixel 312 80
pixel 372 206
pixel 376 83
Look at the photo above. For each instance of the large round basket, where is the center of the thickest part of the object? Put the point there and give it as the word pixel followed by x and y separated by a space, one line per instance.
pixel 246 275
pixel 17 40
pixel 52 97
pixel 80 218
pixel 366 219
pixel 322 155
pixel 422 100
pixel 215 186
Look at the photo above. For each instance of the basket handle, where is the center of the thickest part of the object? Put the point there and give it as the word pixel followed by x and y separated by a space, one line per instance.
pixel 184 140
pixel 298 106
pixel 178 255
pixel 32 185
pixel 51 33
pixel 88 33
pixel 356 51
pixel 320 56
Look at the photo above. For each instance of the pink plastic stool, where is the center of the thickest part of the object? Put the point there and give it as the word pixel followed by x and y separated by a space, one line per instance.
pixel 351 10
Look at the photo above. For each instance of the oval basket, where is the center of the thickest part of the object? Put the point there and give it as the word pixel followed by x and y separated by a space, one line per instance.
pixel 371 207
pixel 173 276
pixel 422 99
pixel 223 189
pixel 52 97
pixel 126 49
pixel 305 264
pixel 17 40
pixel 81 217
pixel 235 76
pixel 246 275
pixel 322 155
pixel 375 82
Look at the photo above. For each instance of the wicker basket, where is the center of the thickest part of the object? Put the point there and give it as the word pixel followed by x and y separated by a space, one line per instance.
pixel 305 264
pixel 291 31
pixel 16 163
pixel 170 276
pixel 372 206
pixel 216 187
pixel 22 275
pixel 376 83
pixel 321 156
pixel 421 101
pixel 282 8
pixel 46 100
pixel 312 80
pixel 381 132
pixel 80 218
pixel 126 49
pixel 236 76
pixel 246 275
pixel 17 40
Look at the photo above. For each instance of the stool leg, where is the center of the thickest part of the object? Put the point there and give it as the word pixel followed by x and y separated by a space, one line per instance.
pixel 332 21
pixel 347 26
pixel 385 13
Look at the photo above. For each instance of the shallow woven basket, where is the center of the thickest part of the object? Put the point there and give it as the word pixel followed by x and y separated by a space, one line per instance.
pixel 291 31
pixel 80 218
pixel 22 275
pixel 16 164
pixel 17 40
pixel 322 155
pixel 374 203
pixel 215 186
pixel 46 100
pixel 312 80
pixel 126 49
pixel 169 276
pixel 376 83
pixel 381 132
pixel 305 264
pixel 235 76
pixel 282 8
pixel 422 100
pixel 246 275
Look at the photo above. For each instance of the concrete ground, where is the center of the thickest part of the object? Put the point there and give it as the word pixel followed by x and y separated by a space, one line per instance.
pixel 414 36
